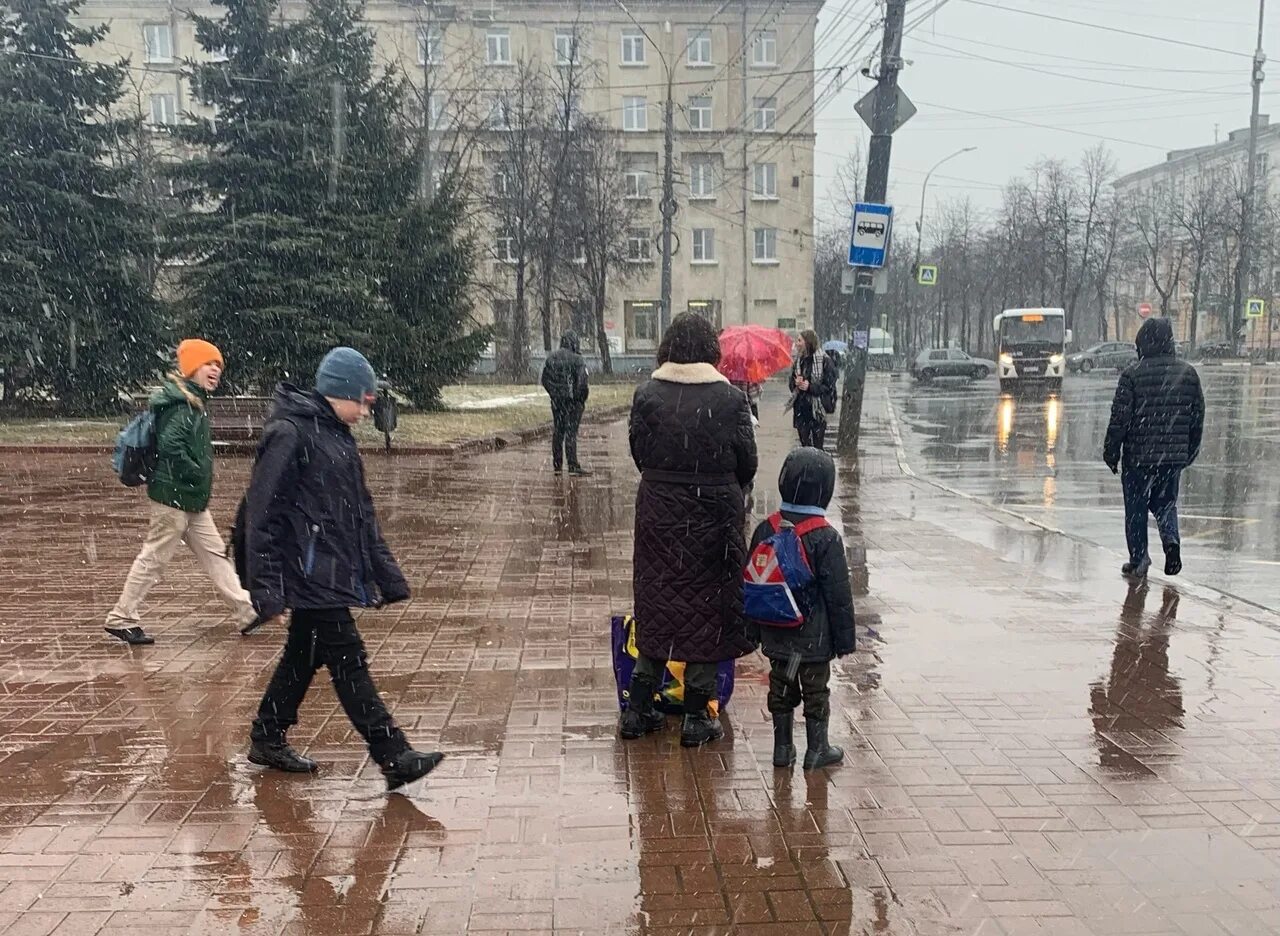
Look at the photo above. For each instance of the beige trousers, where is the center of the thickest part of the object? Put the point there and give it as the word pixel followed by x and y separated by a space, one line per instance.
pixel 169 527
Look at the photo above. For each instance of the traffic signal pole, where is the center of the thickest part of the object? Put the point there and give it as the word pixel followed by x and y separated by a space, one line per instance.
pixel 885 119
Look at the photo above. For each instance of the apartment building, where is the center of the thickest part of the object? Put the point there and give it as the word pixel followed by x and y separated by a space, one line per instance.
pixel 741 76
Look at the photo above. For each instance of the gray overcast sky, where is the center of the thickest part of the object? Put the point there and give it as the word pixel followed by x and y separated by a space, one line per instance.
pixel 1149 96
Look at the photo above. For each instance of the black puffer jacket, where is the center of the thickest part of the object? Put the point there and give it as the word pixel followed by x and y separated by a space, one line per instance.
pixel 692 440
pixel 1157 417
pixel 312 538
pixel 808 479
pixel 564 376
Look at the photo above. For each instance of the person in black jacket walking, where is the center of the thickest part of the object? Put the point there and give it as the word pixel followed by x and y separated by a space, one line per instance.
pixel 564 377
pixel 813 380
pixel 1157 420
pixel 800 657
pixel 313 545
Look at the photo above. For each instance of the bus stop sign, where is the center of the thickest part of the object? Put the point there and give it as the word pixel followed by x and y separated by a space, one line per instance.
pixel 869 239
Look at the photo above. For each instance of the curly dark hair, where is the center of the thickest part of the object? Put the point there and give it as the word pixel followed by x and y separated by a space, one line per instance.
pixel 690 339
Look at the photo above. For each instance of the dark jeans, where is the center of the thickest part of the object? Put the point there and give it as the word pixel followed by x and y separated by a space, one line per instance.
pixel 810 685
pixel 566 415
pixel 699 678
pixel 813 435
pixel 327 637
pixel 1154 491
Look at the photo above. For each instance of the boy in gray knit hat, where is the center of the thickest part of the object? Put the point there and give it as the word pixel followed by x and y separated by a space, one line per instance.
pixel 313 546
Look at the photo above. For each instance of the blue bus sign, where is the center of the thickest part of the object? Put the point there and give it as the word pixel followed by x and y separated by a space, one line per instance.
pixel 869 240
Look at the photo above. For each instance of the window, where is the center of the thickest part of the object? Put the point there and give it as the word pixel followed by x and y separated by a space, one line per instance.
pixel 164 110
pixel 504 248
pixel 637 184
pixel 704 245
pixel 766 114
pixel 765 179
pixel 497 46
pixel 499 116
pixel 430 46
pixel 437 115
pixel 638 246
pixel 568 47
pixel 157 43
pixel 699 113
pixel 708 309
pixel 632 47
pixel 699 48
pixel 766 245
pixel 764 51
pixel 787 324
pixel 501 183
pixel 642 325
pixel 702 182
pixel 580 250
pixel 635 113
pixel 937 355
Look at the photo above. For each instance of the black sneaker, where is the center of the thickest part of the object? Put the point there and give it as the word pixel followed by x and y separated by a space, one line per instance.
pixel 579 472
pixel 408 766
pixel 1172 559
pixel 280 757
pixel 134 636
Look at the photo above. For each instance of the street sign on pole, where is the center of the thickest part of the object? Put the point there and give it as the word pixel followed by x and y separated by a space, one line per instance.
pixel 848 281
pixel 866 108
pixel 1255 308
pixel 869 240
pixel 927 275
pixel 1144 309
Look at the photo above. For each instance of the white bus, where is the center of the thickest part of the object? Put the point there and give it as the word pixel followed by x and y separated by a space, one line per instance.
pixel 1031 347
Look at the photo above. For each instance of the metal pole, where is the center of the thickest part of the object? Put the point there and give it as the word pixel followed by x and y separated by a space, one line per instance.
pixel 885 119
pixel 1244 267
pixel 668 207
pixel 924 189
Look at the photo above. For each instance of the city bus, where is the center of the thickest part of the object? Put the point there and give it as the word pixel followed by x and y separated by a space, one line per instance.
pixel 1031 347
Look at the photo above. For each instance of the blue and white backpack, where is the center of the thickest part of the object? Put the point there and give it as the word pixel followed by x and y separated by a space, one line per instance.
pixel 778 572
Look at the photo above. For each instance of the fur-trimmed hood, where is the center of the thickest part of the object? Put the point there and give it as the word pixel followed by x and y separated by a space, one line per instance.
pixel 689 373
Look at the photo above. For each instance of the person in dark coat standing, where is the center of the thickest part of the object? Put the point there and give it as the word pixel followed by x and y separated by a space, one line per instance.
pixel 1157 421
pixel 564 377
pixel 692 439
pixel 800 657
pixel 813 379
pixel 313 545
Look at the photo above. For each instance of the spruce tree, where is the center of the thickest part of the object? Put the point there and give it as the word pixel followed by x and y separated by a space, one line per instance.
pixel 77 318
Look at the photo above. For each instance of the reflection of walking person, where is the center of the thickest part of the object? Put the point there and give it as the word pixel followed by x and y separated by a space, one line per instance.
pixel 179 492
pixel 314 546
pixel 1157 420
pixel 564 377
pixel 813 385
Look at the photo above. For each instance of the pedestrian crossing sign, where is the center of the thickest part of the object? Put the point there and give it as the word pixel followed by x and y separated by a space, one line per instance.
pixel 1255 308
pixel 927 275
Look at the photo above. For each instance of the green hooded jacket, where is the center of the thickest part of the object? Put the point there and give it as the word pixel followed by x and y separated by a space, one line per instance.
pixel 184 439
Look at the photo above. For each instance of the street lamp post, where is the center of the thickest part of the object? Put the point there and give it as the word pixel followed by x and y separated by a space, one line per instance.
pixel 924 190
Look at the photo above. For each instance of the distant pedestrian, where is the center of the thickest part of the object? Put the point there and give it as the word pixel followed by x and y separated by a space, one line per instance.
pixel 1157 420
pixel 564 377
pixel 179 492
pixel 692 440
pixel 813 387
pixel 314 547
pixel 752 392
pixel 800 657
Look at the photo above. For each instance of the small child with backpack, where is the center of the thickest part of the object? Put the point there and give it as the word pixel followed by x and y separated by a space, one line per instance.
pixel 799 604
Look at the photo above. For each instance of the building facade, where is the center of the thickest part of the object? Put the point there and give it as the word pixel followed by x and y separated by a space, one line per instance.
pixel 741 78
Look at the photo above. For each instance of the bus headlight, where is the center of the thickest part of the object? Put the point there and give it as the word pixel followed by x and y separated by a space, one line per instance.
pixel 1055 359
pixel 1006 358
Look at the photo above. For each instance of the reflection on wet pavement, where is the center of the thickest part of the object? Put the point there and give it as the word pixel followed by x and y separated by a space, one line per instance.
pixel 1032 745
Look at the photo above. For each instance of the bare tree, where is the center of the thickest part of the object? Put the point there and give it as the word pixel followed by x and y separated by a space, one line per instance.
pixel 1161 253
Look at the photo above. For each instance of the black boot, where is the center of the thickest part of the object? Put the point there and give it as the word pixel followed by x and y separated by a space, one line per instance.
pixel 640 718
pixel 1172 559
pixel 579 472
pixel 409 765
pixel 820 752
pixel 134 636
pixel 784 751
pixel 699 728
pixel 280 757
pixel 1136 569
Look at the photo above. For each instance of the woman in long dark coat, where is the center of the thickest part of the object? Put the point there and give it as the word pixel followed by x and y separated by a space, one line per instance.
pixel 692 439
pixel 813 376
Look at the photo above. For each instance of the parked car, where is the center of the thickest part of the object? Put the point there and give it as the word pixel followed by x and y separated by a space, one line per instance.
pixel 1116 355
pixel 1211 350
pixel 948 362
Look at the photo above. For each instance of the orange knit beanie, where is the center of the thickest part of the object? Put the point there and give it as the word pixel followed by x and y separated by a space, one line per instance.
pixel 195 353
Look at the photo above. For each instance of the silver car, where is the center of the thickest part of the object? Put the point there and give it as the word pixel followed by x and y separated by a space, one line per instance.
pixel 948 362
pixel 1115 355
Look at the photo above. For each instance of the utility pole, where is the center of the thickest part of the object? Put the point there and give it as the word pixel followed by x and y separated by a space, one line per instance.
pixel 885 119
pixel 1244 267
pixel 427 175
pixel 668 206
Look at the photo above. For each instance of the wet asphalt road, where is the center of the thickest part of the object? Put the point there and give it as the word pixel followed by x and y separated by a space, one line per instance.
pixel 1040 457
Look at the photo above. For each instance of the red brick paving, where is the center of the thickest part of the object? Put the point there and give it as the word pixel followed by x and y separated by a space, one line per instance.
pixel 1033 748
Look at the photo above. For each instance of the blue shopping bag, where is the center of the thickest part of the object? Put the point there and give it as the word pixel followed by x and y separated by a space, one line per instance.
pixel 670 695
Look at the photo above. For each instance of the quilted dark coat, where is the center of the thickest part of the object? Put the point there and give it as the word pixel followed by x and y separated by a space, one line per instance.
pixel 691 438
pixel 1157 417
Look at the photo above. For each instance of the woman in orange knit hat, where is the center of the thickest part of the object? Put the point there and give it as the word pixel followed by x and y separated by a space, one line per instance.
pixel 179 492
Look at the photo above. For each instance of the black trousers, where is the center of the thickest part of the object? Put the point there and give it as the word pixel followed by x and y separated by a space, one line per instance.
pixel 699 679
pixel 810 684
pixel 812 435
pixel 1153 491
pixel 566 416
pixel 327 637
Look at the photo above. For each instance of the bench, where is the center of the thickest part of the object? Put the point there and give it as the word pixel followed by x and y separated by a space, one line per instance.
pixel 235 419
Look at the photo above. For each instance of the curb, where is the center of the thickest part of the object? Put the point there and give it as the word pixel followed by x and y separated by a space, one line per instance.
pixel 477 446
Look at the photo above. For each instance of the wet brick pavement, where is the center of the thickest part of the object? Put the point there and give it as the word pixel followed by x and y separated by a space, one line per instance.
pixel 1033 747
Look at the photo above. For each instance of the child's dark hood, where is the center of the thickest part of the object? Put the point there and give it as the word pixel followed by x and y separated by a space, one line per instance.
pixel 1155 339
pixel 290 401
pixel 569 341
pixel 808 478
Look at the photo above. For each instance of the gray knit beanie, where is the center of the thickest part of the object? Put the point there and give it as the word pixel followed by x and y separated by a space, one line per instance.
pixel 345 374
